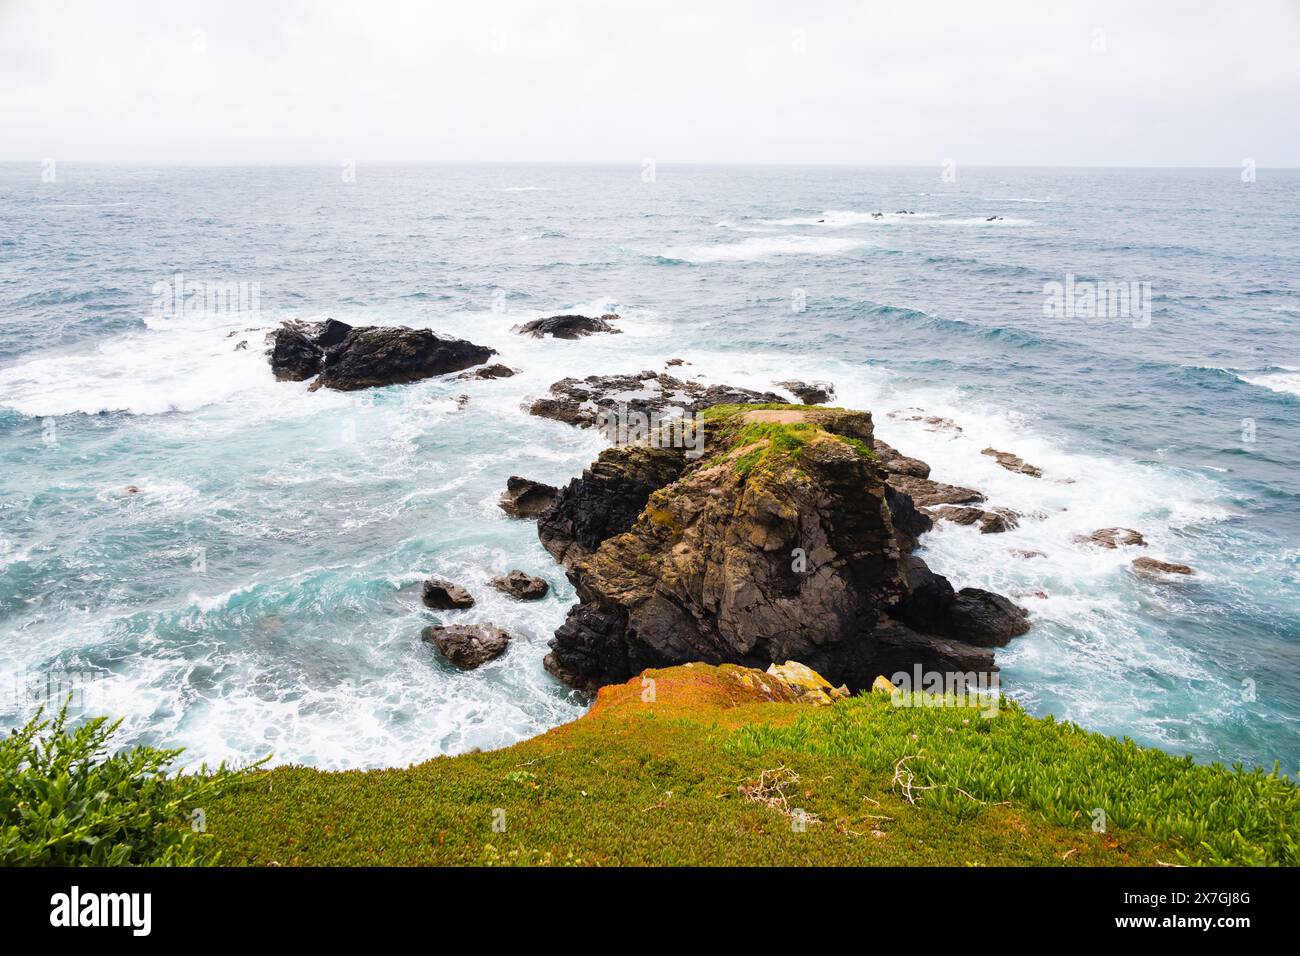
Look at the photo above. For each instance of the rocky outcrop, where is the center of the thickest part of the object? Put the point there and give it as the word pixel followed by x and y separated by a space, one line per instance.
pixel 896 463
pixel 347 358
pixel 520 585
pixel 1113 538
pixel 467 645
pixel 1156 569
pixel 525 498
pixel 1013 462
pixel 989 522
pixel 606 499
pixel 496 370
pixel 568 326
pixel 597 399
pixel 927 493
pixel 444 596
pixel 810 393
pixel 778 544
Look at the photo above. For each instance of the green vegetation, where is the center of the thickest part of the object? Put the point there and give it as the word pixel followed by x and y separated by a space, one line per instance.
pixel 775 443
pixel 65 802
pixel 709 773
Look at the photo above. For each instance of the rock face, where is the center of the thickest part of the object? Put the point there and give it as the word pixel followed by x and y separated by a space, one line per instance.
pixel 568 326
pixel 582 402
pixel 444 596
pixel 525 498
pixel 496 370
pixel 1013 462
pixel 779 544
pixel 467 645
pixel 605 500
pixel 523 586
pixel 814 393
pixel 990 522
pixel 348 358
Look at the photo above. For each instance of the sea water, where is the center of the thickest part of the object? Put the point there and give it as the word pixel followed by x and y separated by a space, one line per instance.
pixel 258 593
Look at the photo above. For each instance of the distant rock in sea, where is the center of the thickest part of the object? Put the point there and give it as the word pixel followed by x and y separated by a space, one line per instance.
pixel 569 326
pixel 346 358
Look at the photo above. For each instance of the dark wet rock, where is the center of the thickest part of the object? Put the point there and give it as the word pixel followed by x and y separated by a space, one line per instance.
pixel 496 370
pixel 810 393
pixel 467 645
pixel 1113 538
pixel 600 399
pixel 754 555
pixel 241 345
pixel 525 498
pixel 909 521
pixel 1155 568
pixel 1026 554
pixel 521 585
pixel 984 619
pixel 896 463
pixel 444 596
pixel 1013 462
pixel 606 499
pixel 673 362
pixel 568 326
pixel 348 358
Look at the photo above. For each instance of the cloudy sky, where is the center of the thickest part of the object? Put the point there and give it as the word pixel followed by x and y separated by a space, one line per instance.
pixel 1015 82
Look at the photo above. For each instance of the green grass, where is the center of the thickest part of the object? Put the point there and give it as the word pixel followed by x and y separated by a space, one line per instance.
pixel 664 783
pixel 773 443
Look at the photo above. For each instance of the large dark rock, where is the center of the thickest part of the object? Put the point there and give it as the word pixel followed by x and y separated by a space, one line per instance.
pixel 983 618
pixel 525 498
pixel 778 544
pixel 496 370
pixel 444 596
pixel 606 500
pixel 568 326
pixel 348 358
pixel 467 645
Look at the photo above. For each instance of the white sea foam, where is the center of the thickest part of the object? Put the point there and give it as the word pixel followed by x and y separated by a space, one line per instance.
pixel 763 248
pixel 1284 379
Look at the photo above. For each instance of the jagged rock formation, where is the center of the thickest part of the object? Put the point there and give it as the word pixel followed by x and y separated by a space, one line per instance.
pixel 810 393
pixel 444 596
pixel 778 544
pixel 348 358
pixel 1013 462
pixel 496 370
pixel 586 402
pixel 1156 569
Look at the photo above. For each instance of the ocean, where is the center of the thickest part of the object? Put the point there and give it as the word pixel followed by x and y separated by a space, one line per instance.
pixel 259 593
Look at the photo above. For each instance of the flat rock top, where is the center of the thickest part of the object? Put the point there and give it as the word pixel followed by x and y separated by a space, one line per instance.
pixel 782 416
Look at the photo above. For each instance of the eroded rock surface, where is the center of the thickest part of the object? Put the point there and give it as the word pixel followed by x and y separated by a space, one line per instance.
pixel 810 393
pixel 593 400
pixel 569 326
pixel 778 544
pixel 525 498
pixel 442 595
pixel 467 645
pixel 521 585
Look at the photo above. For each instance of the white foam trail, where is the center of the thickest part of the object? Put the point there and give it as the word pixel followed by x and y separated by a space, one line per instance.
pixel 762 248
pixel 1285 380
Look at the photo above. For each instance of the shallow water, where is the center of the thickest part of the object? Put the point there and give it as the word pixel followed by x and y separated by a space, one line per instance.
pixel 260 593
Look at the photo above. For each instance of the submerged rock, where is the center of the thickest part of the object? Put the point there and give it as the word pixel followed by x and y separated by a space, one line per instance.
pixel 347 358
pixel 779 544
pixel 810 393
pixel 568 326
pixel 1013 462
pixel 444 596
pixel 525 498
pixel 467 645
pixel 523 586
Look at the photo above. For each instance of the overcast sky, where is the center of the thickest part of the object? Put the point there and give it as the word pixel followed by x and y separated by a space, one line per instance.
pixel 1014 82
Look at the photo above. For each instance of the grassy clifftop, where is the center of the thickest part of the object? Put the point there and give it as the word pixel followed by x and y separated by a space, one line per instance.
pixel 711 765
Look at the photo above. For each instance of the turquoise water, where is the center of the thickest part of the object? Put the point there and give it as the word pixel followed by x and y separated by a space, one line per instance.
pixel 259 594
